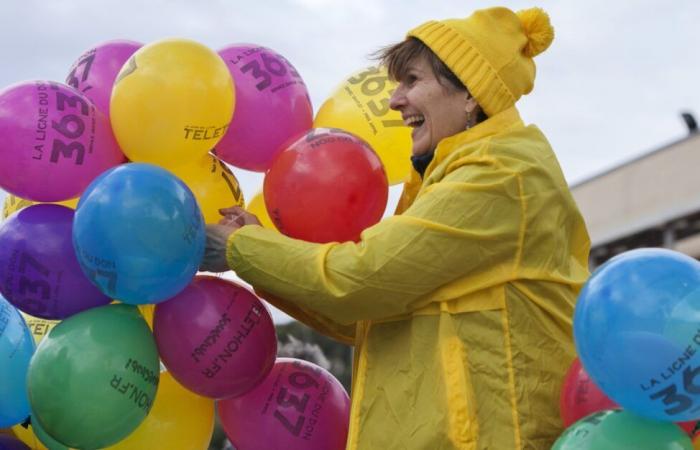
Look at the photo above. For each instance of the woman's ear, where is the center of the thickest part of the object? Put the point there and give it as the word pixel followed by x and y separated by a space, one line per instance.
pixel 472 109
pixel 471 105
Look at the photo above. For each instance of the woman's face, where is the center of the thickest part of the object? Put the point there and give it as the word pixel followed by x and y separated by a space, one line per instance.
pixel 434 111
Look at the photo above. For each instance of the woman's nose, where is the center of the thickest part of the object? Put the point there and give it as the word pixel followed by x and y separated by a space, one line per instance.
pixel 398 98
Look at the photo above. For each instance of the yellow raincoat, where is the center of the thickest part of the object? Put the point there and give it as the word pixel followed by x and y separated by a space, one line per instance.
pixel 459 306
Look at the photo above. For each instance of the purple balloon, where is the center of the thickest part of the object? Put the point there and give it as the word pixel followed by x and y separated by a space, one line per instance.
pixel 94 72
pixel 272 107
pixel 11 443
pixel 53 141
pixel 216 338
pixel 299 406
pixel 39 271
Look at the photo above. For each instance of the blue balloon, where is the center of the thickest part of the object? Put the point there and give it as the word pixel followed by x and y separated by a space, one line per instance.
pixel 139 234
pixel 637 332
pixel 16 350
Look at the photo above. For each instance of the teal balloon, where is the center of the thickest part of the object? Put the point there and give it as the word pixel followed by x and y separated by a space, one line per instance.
pixel 16 349
pixel 94 377
pixel 43 437
pixel 622 430
pixel 139 234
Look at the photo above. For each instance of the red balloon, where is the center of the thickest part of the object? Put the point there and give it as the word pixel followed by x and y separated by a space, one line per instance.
pixel 688 427
pixel 580 396
pixel 216 338
pixel 328 186
pixel 299 406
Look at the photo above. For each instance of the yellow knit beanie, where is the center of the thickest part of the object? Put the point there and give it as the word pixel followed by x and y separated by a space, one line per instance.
pixel 491 51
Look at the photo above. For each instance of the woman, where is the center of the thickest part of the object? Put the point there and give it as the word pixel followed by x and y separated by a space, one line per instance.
pixel 460 305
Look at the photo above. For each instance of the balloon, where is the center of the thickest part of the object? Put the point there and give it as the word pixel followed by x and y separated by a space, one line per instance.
pixel 636 329
pixel 622 430
pixel 272 107
pixel 360 105
pixel 39 270
pixel 327 186
pixel 299 406
pixel 93 379
pixel 38 327
pixel 28 436
pixel 44 439
pixel 213 185
pixel 94 72
pixel 580 397
pixel 16 349
pixel 139 234
pixel 257 207
pixel 216 338
pixel 147 312
pixel 53 142
pixel 10 443
pixel 688 427
pixel 172 102
pixel 13 204
pixel 179 420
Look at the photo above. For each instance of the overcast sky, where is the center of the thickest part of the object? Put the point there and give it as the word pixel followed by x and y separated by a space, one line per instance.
pixel 611 86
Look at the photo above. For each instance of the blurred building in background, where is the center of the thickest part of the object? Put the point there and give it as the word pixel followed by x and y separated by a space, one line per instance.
pixel 650 201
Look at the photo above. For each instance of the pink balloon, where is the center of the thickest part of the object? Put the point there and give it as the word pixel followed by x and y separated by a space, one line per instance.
pixel 215 337
pixel 272 107
pixel 299 406
pixel 53 141
pixel 94 72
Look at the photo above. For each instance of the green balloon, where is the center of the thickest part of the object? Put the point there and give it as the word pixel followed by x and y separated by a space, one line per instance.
pixel 48 441
pixel 621 430
pixel 94 377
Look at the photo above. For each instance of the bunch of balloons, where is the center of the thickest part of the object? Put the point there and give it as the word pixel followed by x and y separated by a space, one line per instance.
pixel 637 334
pixel 108 337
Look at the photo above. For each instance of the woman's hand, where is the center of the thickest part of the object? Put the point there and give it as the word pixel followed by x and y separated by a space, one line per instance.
pixel 217 237
pixel 238 217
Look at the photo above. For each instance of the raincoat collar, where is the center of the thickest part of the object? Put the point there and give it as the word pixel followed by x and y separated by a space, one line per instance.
pixel 493 125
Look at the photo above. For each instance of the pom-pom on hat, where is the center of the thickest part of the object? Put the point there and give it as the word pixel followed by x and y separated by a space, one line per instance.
pixel 491 51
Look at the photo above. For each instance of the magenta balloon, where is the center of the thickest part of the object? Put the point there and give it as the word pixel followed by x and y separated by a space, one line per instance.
pixel 53 141
pixel 299 406
pixel 272 107
pixel 94 72
pixel 39 271
pixel 215 337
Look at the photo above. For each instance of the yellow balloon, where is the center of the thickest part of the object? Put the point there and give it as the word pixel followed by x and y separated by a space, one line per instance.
pixel 213 184
pixel 257 207
pixel 39 327
pixel 360 105
pixel 171 102
pixel 179 420
pixel 27 436
pixel 147 313
pixel 13 204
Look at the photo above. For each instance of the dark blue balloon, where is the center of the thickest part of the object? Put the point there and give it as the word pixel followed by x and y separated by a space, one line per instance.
pixel 16 350
pixel 139 234
pixel 637 332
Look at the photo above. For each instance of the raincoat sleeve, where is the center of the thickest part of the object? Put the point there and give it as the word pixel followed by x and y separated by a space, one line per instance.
pixel 470 223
